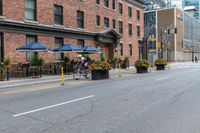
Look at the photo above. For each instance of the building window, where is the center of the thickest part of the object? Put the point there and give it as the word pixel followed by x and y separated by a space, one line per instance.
pixel 106 3
pixel 81 43
pixel 58 44
pixel 120 27
pixel 120 8
pixel 97 2
pixel 80 19
pixel 130 12
pixel 30 39
pixel 30 10
pixel 121 49
pixel 106 22
pixel 138 14
pixel 138 31
pixel 1 8
pixel 130 49
pixel 114 24
pixel 1 48
pixel 113 4
pixel 98 21
pixel 58 15
pixel 130 29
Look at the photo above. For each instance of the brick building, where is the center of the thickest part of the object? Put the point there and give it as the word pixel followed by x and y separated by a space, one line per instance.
pixel 112 25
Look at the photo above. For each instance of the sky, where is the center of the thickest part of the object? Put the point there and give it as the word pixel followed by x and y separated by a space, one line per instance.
pixel 178 3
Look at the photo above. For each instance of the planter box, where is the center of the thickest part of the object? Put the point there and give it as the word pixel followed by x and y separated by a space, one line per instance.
pixel 97 75
pixel 160 67
pixel 142 70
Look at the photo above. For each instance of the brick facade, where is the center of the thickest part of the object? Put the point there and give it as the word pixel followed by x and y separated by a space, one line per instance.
pixel 15 10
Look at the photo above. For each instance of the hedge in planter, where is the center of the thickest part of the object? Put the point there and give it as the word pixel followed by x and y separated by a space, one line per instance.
pixel 141 66
pixel 100 70
pixel 160 64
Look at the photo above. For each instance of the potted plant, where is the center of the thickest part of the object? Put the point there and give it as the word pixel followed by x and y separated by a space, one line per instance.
pixel 4 69
pixel 100 70
pixel 141 66
pixel 160 64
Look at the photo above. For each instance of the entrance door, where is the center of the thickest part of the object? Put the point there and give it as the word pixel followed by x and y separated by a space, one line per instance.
pixel 105 53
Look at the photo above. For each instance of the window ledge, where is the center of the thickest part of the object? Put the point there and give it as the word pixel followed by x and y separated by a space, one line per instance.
pixel 80 29
pixel 2 17
pixel 29 21
pixel 58 26
pixel 106 7
pixel 98 5
pixel 98 26
pixel 114 10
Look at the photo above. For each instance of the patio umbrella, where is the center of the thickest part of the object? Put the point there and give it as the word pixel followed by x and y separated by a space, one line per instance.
pixel 91 50
pixel 67 48
pixel 33 47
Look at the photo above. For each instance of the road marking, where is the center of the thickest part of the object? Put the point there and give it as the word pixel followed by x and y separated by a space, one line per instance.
pixel 30 90
pixel 162 78
pixel 52 106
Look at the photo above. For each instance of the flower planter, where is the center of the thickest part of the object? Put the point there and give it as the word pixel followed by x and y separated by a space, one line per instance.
pixel 142 70
pixel 160 67
pixel 100 74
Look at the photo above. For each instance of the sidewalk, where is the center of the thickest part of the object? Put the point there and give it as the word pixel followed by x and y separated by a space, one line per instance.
pixel 16 82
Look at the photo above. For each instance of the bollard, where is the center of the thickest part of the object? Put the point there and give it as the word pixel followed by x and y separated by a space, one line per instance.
pixel 120 74
pixel 62 76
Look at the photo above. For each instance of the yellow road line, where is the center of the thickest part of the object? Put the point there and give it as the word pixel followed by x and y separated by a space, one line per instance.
pixel 30 90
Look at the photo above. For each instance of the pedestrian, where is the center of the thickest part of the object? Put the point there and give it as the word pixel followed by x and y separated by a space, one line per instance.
pixel 196 59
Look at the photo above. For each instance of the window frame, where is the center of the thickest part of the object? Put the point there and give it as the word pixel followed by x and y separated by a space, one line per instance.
pixel 120 8
pixel 121 49
pixel 98 20
pixel 80 19
pixel 138 31
pixel 130 29
pixel 106 3
pixel 130 12
pixel 130 49
pixel 113 4
pixel 34 11
pixel 114 24
pixel 58 15
pixel 138 14
pixel 30 53
pixel 61 55
pixel 97 2
pixel 121 27
pixel 1 9
pixel 107 22
pixel 82 42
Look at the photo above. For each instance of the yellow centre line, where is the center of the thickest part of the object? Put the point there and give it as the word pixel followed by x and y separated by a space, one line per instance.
pixel 30 90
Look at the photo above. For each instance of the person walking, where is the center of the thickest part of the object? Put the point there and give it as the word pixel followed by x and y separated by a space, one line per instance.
pixel 196 59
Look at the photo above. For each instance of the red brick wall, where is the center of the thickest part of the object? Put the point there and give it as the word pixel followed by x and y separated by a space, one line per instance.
pixel 14 9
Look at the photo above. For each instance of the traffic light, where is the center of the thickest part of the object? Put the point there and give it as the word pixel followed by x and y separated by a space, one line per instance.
pixel 175 30
pixel 168 31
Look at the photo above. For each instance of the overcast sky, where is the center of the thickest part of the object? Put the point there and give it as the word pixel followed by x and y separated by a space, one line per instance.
pixel 178 3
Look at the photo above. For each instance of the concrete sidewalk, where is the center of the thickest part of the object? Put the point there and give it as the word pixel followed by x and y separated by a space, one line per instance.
pixel 16 82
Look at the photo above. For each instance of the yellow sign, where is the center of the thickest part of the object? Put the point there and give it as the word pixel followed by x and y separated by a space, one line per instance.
pixel 152 37
pixel 158 44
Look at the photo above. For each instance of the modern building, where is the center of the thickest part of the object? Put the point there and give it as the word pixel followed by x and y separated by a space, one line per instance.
pixel 192 3
pixel 115 26
pixel 173 34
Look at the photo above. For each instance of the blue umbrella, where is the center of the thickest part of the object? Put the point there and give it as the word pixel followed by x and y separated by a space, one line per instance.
pixel 90 50
pixel 33 47
pixel 68 48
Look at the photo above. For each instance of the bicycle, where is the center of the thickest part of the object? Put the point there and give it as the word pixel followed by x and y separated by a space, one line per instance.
pixel 81 71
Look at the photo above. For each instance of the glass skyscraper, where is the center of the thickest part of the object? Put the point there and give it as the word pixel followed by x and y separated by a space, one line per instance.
pixel 193 3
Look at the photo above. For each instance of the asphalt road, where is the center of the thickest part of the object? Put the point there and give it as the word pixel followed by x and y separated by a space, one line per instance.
pixel 158 102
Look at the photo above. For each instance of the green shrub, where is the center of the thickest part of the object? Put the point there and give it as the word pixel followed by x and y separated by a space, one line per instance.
pixel 141 64
pixel 161 62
